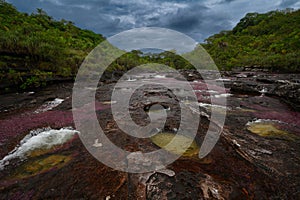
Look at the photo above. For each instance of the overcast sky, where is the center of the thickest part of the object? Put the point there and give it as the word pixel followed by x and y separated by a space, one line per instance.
pixel 198 19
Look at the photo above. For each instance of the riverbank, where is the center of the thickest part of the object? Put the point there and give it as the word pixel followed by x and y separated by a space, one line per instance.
pixel 257 155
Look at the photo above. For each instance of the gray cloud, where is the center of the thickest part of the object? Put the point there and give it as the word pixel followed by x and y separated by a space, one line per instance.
pixel 198 19
pixel 288 3
pixel 153 38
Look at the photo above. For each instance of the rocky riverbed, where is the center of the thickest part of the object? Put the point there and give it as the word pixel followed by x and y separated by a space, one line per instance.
pixel 256 157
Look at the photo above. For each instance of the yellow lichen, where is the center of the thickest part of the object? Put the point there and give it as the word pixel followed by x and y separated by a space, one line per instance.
pixel 180 144
pixel 38 152
pixel 269 130
pixel 42 165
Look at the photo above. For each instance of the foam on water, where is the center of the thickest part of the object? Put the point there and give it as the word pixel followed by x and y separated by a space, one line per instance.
pixel 49 105
pixel 38 139
pixel 222 95
pixel 207 105
pixel 159 76
pixel 223 79
pixel 257 121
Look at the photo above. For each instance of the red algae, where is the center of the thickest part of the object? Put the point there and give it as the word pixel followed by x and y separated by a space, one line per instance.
pixel 17 125
pixel 22 195
pixel 241 166
pixel 267 108
pixel 201 85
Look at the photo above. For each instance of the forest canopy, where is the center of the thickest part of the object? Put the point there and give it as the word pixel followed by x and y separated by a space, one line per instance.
pixel 270 40
pixel 37 47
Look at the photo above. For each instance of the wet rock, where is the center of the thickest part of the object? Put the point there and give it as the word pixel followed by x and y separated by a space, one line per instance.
pixel 190 75
pixel 213 190
pixel 290 92
pixel 242 75
pixel 280 85
pixel 136 158
pixel 264 151
pixel 267 78
pixel 242 165
pixel 249 87
pixel 12 102
pixel 255 68
pixel 186 185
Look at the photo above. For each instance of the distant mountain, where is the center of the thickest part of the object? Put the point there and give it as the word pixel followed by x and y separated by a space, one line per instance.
pixel 270 40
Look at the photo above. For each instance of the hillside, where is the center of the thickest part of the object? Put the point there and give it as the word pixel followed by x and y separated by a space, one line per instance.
pixel 36 48
pixel 270 40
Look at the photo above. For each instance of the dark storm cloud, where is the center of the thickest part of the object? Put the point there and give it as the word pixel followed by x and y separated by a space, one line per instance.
pixel 288 3
pixel 190 18
pixel 198 19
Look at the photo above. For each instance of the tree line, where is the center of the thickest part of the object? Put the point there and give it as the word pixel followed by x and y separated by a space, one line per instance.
pixel 35 48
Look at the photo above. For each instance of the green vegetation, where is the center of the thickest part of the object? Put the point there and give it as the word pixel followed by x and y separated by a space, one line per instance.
pixel 35 48
pixel 136 58
pixel 269 40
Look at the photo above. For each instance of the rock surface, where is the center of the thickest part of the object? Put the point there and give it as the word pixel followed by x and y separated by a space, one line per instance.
pixel 257 156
